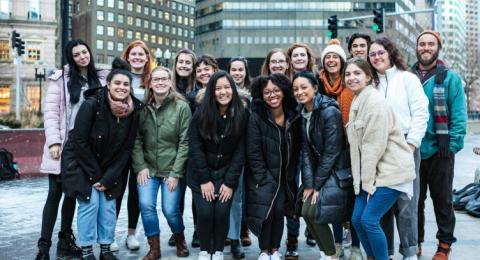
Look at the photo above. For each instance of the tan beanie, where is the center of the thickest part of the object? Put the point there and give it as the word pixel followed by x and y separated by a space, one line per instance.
pixel 435 34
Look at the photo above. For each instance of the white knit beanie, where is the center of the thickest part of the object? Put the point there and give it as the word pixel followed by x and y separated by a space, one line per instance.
pixel 334 46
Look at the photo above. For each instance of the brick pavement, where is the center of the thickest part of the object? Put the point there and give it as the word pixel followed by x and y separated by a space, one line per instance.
pixel 21 204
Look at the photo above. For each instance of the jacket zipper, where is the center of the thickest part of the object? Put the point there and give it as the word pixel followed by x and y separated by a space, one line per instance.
pixel 280 179
pixel 287 139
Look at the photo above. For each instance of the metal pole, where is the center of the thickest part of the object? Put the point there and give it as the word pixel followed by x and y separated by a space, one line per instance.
pixel 17 86
pixel 387 14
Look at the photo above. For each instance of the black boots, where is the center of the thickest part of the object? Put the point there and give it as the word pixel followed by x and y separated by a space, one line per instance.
pixel 43 249
pixel 292 247
pixel 236 249
pixel 66 246
pixel 195 241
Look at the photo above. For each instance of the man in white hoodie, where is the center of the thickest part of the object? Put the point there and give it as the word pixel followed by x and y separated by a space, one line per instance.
pixel 405 94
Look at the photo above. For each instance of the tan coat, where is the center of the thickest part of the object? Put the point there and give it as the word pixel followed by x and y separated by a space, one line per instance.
pixel 379 152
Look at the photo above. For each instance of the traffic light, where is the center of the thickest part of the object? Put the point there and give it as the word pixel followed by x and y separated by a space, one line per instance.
pixel 21 48
pixel 18 43
pixel 332 27
pixel 378 15
pixel 15 39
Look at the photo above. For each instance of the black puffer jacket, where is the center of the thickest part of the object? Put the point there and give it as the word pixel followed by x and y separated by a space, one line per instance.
pixel 264 159
pixel 99 149
pixel 321 152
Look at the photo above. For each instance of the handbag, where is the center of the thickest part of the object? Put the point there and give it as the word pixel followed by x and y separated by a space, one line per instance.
pixel 345 178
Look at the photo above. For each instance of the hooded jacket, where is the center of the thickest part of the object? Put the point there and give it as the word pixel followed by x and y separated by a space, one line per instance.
pixel 100 147
pixel 264 157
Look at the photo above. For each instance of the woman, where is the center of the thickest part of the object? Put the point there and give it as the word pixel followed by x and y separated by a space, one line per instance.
pixel 204 68
pixel 273 147
pixel 331 84
pixel 159 159
pixel 184 79
pixel 323 144
pixel 139 57
pixel 277 61
pixel 217 154
pixel 64 98
pixel 238 233
pixel 301 57
pixel 404 92
pixel 95 155
pixel 358 45
pixel 238 69
pixel 382 163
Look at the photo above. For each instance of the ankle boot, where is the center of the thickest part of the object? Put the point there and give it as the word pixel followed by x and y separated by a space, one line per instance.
pixel 181 245
pixel 154 253
pixel 43 249
pixel 443 251
pixel 236 249
pixel 195 241
pixel 244 235
pixel 66 246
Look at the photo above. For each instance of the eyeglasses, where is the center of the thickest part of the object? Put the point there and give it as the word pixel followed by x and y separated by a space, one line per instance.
pixel 275 62
pixel 275 92
pixel 158 80
pixel 378 53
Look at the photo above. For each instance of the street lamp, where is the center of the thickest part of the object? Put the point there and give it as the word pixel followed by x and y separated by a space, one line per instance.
pixel 40 77
pixel 167 55
pixel 158 56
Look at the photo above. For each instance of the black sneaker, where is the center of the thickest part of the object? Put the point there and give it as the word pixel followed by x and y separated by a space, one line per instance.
pixel 195 241
pixel 43 249
pixel 171 240
pixel 108 255
pixel 309 239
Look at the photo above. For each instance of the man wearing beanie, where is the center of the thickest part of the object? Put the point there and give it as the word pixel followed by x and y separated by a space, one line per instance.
pixel 443 139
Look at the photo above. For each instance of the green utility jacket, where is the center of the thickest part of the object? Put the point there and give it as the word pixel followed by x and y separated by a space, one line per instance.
pixel 162 140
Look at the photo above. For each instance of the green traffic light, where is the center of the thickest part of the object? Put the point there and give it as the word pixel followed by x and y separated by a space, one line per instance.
pixel 330 34
pixel 375 27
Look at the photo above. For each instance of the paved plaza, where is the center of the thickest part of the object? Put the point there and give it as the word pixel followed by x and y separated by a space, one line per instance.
pixel 21 204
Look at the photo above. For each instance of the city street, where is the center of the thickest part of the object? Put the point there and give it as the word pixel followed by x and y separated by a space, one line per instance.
pixel 21 204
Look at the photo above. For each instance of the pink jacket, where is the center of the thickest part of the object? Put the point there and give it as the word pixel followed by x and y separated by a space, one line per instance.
pixel 55 114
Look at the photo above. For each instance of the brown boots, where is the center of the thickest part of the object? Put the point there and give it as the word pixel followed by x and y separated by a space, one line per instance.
pixel 244 235
pixel 154 253
pixel 182 249
pixel 443 251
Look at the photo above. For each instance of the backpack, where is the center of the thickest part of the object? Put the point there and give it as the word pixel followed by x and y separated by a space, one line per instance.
pixel 8 169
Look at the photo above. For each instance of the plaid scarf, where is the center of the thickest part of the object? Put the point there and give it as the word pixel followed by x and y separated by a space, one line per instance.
pixel 439 104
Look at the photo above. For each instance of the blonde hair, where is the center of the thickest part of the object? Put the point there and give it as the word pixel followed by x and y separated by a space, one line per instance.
pixel 172 92
pixel 266 64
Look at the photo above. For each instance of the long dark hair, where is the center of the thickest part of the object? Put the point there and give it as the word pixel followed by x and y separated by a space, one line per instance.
pixel 176 78
pixel 208 113
pixel 74 85
pixel 282 82
pixel 246 84
pixel 394 54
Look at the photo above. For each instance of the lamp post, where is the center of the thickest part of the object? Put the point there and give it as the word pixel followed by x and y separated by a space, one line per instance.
pixel 158 56
pixel 167 55
pixel 40 77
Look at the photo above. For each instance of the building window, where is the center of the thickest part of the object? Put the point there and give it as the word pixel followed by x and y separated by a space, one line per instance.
pixel 185 20
pixel 99 44
pixel 138 35
pixel 146 10
pixel 179 44
pixel 99 29
pixel 185 45
pixel 110 17
pixel 160 14
pixel 33 97
pixel 167 16
pixel 174 5
pixel 4 50
pixel 138 9
pixel 120 18
pixel 100 58
pixel 160 40
pixel 180 7
pixel 185 33
pixel 145 37
pixel 174 18
pixel 120 33
pixel 129 34
pixel 174 43
pixel 167 41
pixel 153 25
pixel 191 22
pixel 110 31
pixel 180 33
pixel 130 6
pixel 121 4
pixel 111 3
pixel 167 29
pixel 5 9
pixel 33 53
pixel 138 22
pixel 5 99
pixel 174 30
pixel 110 59
pixel 180 19
pixel 130 20
pixel 110 46
pixel 34 9
pixel 154 12
pixel 160 27
pixel 120 46
pixel 153 39
pixel 100 2
pixel 100 16
pixel 146 24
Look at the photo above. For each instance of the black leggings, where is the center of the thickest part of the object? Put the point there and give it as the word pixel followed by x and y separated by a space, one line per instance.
pixel 272 229
pixel 132 202
pixel 50 210
pixel 214 223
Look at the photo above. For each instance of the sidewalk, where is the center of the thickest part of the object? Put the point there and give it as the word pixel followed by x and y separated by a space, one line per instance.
pixel 21 204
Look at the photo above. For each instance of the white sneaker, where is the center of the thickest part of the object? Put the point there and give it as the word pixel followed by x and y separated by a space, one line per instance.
pixel 263 256
pixel 339 250
pixel 132 243
pixel 276 256
pixel 114 246
pixel 204 255
pixel 413 257
pixel 217 256
pixel 356 253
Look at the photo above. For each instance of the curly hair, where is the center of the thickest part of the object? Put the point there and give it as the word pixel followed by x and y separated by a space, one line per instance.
pixel 394 54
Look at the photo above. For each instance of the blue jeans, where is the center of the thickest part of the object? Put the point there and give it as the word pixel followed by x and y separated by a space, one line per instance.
pixel 96 219
pixel 366 220
pixel 236 211
pixel 147 196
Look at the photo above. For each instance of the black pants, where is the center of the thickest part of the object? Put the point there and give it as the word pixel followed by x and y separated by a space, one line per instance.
pixel 436 174
pixel 214 222
pixel 50 209
pixel 272 228
pixel 132 201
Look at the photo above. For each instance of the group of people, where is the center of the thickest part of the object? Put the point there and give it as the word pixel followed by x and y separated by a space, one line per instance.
pixel 353 145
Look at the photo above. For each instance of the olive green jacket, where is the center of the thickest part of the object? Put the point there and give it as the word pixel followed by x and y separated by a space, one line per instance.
pixel 162 140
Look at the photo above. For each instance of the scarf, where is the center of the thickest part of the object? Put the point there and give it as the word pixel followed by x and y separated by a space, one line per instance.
pixel 342 94
pixel 439 104
pixel 120 109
